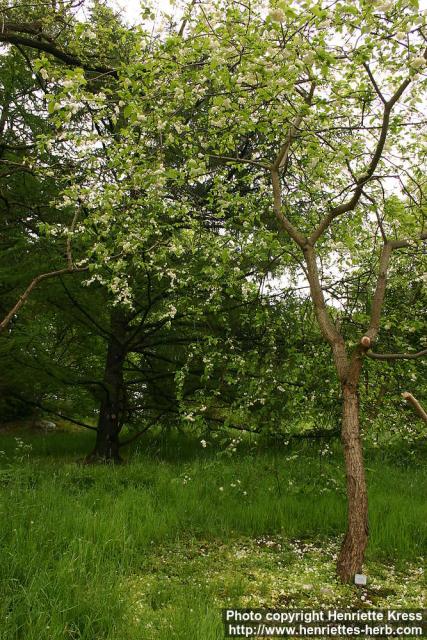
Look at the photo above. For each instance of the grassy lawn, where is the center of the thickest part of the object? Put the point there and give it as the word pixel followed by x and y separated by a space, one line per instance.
pixel 155 548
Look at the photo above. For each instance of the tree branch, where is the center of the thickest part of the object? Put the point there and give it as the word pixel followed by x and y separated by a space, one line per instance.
pixel 53 413
pixel 287 225
pixel 137 435
pixel 327 327
pixel 282 156
pixel 415 404
pixel 230 159
pixel 374 83
pixel 345 207
pixel 396 356
pixel 11 33
pixel 70 268
pixel 377 303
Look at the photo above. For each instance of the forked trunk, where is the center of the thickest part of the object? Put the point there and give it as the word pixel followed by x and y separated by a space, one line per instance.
pixel 352 552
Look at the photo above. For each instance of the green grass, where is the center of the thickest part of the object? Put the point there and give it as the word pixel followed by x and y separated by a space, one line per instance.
pixel 180 531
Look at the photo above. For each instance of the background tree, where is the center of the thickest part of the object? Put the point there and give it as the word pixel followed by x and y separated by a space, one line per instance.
pixel 138 226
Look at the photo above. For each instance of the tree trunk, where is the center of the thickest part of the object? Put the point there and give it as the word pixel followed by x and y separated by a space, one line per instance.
pixel 352 552
pixel 107 445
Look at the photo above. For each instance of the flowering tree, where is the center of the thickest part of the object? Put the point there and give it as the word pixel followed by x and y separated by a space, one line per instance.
pixel 175 269
pixel 317 107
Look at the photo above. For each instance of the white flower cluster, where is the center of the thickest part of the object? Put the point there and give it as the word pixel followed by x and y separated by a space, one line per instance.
pixel 385 6
pixel 418 62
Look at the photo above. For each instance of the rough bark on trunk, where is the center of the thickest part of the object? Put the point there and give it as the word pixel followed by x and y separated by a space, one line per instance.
pixel 107 445
pixel 352 552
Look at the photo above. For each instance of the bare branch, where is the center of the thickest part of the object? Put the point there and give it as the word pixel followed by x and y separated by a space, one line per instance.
pixel 380 289
pixel 396 356
pixel 53 413
pixel 327 326
pixel 285 223
pixel 415 404
pixel 379 294
pixel 282 156
pixel 33 284
pixel 70 268
pixel 230 159
pixel 374 84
